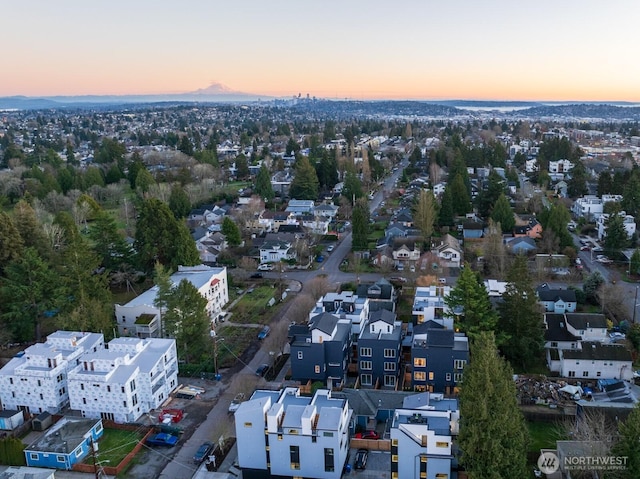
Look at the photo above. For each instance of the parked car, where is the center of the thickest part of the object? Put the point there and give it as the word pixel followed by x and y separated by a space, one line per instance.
pixel 257 275
pixel 330 248
pixel 616 336
pixel 319 258
pixel 262 370
pixel 162 439
pixel 398 279
pixel 235 404
pixel 585 248
pixel 361 459
pixel 367 435
pixel 202 452
pixel 265 267
pixel 264 332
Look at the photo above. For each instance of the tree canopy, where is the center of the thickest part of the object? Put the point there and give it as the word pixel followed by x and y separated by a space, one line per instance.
pixel 493 434
pixel 305 183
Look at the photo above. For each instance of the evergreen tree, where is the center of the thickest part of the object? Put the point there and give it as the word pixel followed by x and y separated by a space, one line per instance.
pixel 521 317
pixel 179 203
pixel 186 320
pixel 30 293
pixel 231 232
pixel 360 226
pixel 629 445
pixel 11 243
pixel 144 181
pixel 631 194
pixel 186 146
pixel 134 168
pixel 469 303
pixel 445 217
pixel 634 262
pixel 263 184
pixel 488 197
pixel 491 446
pixel 305 183
pixel 605 183
pixel 591 285
pixel 160 237
pixel 577 183
pixel 108 243
pixel 242 167
pixel 503 214
pixel 31 231
pixel 459 196
pixel 424 215
pixel 352 187
pixel 615 238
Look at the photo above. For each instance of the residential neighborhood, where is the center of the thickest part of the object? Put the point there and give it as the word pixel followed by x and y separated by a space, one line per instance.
pixel 313 301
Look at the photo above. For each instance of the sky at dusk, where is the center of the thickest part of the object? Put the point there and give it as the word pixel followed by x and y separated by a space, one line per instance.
pixel 359 49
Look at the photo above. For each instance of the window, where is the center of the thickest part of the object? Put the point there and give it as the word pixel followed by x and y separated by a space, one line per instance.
pixel 442 444
pixel 60 458
pixel 132 385
pixel 389 381
pixel 585 374
pixel 365 365
pixel 394 458
pixel 431 375
pixel 10 380
pixel 328 459
pixel 457 377
pixel 420 362
pixel 82 386
pixel 365 379
pixel 300 355
pixel 459 363
pixel 448 377
pixel 389 353
pixel 394 442
pixel 365 352
pixel 554 344
pixel 598 374
pixel 419 376
pixel 572 374
pixel 34 456
pixel 389 366
pixel 394 475
pixel 84 400
pixel 248 424
pixel 317 369
pixel 327 434
pixel 442 475
pixel 294 456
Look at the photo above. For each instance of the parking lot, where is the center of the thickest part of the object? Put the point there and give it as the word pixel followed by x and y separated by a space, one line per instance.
pixel 378 465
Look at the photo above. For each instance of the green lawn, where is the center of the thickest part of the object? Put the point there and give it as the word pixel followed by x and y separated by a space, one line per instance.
pixel 114 445
pixel 543 435
pixel 236 341
pixel 253 307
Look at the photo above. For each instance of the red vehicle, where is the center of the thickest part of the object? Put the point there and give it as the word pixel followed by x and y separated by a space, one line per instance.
pixel 367 435
pixel 170 415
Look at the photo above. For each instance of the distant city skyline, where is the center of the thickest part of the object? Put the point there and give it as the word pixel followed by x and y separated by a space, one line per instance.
pixel 568 50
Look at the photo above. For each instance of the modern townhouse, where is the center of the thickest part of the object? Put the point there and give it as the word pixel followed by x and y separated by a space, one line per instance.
pixel 321 349
pixel 141 318
pixel 379 351
pixel 37 381
pixel 438 357
pixel 429 305
pixel 284 434
pixel 381 295
pixel 422 438
pixel 344 305
pixel 129 378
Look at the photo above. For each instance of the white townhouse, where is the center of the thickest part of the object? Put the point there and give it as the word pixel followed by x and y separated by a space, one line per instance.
pixel 274 251
pixel 37 381
pixel 591 206
pixel 141 318
pixel 284 434
pixel 429 305
pixel 422 433
pixel 120 383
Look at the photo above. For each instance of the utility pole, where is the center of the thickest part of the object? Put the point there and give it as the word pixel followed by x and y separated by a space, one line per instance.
pixel 635 306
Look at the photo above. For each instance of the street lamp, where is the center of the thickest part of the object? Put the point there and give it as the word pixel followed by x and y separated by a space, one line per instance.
pixel 215 352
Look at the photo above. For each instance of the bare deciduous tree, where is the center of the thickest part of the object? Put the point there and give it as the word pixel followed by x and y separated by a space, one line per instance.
pixel 317 287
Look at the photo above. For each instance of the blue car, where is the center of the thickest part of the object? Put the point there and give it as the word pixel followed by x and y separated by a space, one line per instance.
pixel 264 333
pixel 320 258
pixel 202 452
pixel 162 439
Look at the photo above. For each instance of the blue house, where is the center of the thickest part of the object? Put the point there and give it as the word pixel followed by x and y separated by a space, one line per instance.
pixel 438 357
pixel 320 351
pixel 379 351
pixel 68 442
pixel 522 245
